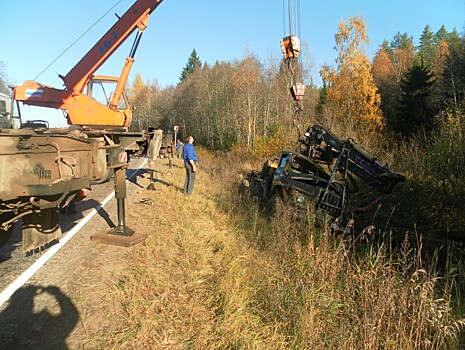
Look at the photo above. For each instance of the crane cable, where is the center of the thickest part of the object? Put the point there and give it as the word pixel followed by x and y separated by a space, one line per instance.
pixel 293 17
pixel 75 41
pixel 290 46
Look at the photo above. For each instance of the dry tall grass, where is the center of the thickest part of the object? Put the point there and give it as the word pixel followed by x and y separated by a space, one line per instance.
pixel 217 273
pixel 434 164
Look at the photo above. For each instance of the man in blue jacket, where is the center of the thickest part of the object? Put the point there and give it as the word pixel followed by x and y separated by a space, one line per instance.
pixel 190 163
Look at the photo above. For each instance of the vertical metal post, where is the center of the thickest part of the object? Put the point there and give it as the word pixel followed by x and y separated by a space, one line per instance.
pixel 120 235
pixel 151 186
pixel 121 215
pixel 120 195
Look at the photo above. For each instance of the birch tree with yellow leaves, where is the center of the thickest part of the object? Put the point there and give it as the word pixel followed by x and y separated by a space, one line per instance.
pixel 141 97
pixel 352 96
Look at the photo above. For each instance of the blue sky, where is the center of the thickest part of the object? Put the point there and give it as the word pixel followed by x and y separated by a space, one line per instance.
pixel 36 32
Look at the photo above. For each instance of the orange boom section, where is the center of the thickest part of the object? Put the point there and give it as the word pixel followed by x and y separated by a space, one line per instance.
pixel 95 100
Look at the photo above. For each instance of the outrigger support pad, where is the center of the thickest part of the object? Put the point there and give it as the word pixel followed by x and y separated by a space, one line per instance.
pixel 120 235
pixel 151 186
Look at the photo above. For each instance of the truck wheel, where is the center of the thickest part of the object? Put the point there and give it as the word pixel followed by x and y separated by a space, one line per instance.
pixel 5 236
pixel 255 187
pixel 274 204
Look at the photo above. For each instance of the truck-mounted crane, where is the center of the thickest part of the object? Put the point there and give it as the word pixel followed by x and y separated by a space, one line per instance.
pixel 43 168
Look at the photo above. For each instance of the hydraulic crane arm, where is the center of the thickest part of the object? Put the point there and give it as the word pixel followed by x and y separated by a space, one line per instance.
pixel 136 17
pixel 78 98
pixel 323 146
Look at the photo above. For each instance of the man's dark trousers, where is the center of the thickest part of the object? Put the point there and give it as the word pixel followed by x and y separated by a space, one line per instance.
pixel 190 179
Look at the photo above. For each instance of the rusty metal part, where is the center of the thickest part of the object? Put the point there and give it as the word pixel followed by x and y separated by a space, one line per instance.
pixel 40 228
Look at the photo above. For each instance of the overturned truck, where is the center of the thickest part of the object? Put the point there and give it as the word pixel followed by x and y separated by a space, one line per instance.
pixel 328 175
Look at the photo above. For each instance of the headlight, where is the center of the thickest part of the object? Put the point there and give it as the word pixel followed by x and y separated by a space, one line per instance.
pixel 300 199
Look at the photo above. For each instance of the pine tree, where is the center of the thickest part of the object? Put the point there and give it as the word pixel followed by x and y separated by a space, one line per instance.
pixel 192 64
pixel 441 34
pixel 402 54
pixel 415 109
pixel 427 46
pixel 401 41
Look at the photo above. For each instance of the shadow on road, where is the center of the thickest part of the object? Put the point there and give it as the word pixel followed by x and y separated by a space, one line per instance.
pixel 133 174
pixel 37 318
pixel 68 221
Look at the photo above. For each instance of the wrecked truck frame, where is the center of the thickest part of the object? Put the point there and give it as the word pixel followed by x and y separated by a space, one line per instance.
pixel 326 174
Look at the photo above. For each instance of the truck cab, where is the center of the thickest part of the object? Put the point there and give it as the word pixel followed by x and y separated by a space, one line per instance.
pixel 5 112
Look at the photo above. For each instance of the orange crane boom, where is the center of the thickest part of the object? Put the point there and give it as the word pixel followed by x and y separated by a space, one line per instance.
pixel 76 99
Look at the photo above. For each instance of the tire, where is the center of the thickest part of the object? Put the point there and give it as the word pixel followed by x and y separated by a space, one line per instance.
pixel 255 187
pixel 5 236
pixel 274 203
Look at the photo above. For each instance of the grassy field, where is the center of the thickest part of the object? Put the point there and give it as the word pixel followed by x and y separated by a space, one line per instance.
pixel 216 272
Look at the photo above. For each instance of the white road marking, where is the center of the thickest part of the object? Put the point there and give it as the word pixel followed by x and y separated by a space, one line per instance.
pixel 26 275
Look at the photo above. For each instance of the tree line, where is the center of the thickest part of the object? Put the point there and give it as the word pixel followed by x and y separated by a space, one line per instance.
pixel 221 104
pixel 401 90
